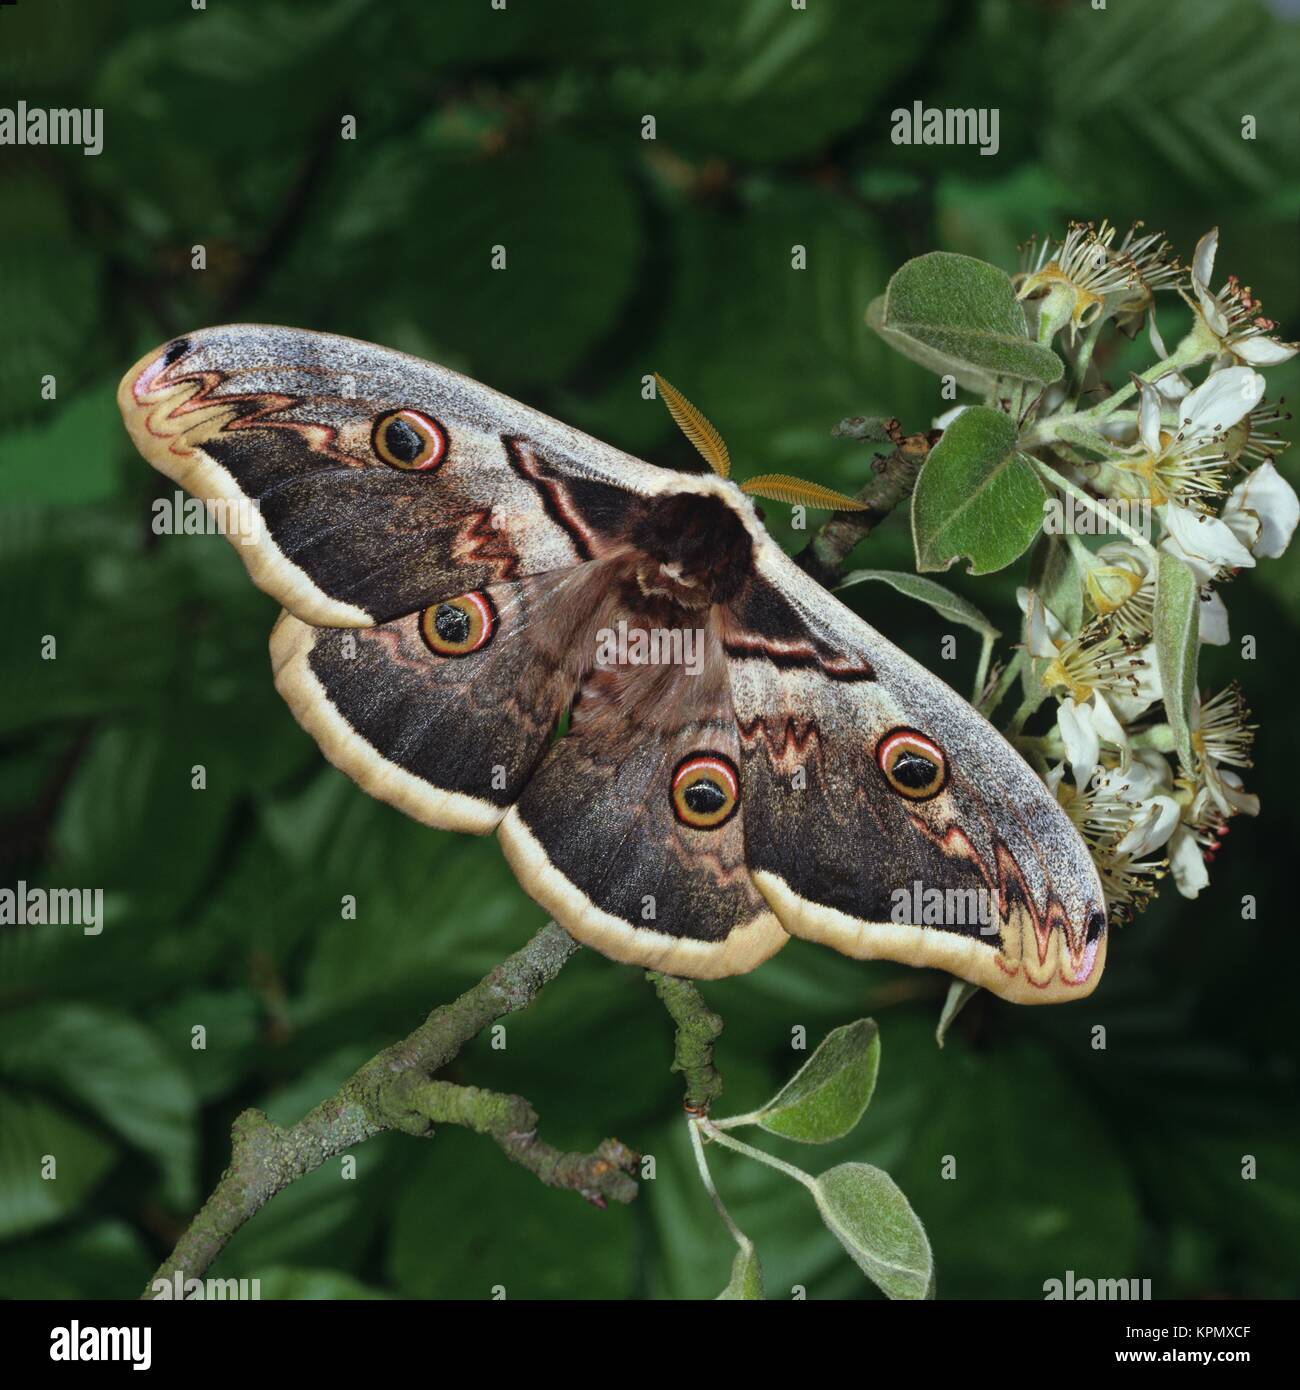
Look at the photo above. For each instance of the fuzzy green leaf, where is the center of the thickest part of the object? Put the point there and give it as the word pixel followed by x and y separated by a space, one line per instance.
pixel 964 312
pixel 1177 620
pixel 827 1095
pixel 867 1212
pixel 975 496
pixel 746 1280
pixel 943 601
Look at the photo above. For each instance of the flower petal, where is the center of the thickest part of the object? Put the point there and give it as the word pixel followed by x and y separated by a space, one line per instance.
pixel 1261 351
pixel 1186 863
pixel 1268 496
pixel 1214 621
pixel 1154 824
pixel 1220 401
pixel 1203 258
pixel 1235 793
pixel 1149 417
pixel 1153 335
pixel 1197 537
pixel 1082 746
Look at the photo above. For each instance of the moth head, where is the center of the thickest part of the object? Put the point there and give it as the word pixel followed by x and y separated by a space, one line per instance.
pixel 705 790
pixel 409 440
pixel 914 766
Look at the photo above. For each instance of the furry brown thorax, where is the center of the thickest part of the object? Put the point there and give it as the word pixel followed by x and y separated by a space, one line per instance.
pixel 702 549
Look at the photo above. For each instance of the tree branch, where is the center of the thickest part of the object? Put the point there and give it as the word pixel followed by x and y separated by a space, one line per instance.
pixel 394 1090
pixel 698 1028
pixel 895 475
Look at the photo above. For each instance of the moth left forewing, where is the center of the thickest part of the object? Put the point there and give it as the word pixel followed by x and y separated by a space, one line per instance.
pixel 280 431
pixel 980 872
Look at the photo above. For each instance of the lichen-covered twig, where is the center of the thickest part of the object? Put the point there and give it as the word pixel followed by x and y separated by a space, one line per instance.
pixel 395 1090
pixel 698 1028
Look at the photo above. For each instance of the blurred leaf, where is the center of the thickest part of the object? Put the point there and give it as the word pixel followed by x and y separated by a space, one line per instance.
pixel 230 1020
pixel 49 296
pixel 30 1132
pixel 766 81
pixel 528 1240
pixel 68 460
pixel 143 775
pixel 286 1282
pixel 521 288
pixel 106 1260
pixel 975 496
pixel 1020 1176
pixel 874 1222
pixel 114 1068
pixel 828 1095
pixel 1223 59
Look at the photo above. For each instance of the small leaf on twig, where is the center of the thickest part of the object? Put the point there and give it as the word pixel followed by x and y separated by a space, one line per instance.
pixel 746 1275
pixel 827 1096
pixel 865 1209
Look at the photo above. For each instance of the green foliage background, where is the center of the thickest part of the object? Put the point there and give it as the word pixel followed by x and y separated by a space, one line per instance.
pixel 523 128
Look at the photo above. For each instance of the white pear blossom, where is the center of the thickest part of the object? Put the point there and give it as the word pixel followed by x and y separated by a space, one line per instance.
pixel 1233 316
pixel 1084 729
pixel 1190 464
pixel 1203 542
pixel 1262 512
pixel 1187 862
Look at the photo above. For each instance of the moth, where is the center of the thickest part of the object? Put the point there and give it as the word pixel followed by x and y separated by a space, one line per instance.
pixel 451 564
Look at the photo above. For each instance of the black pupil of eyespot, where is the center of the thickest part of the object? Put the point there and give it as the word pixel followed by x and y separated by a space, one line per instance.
pixel 176 350
pixel 914 771
pixel 704 798
pixel 452 624
pixel 403 441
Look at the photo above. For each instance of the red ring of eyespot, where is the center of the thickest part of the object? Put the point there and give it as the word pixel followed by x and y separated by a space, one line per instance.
pixel 711 762
pixel 487 616
pixel 435 437
pixel 924 745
